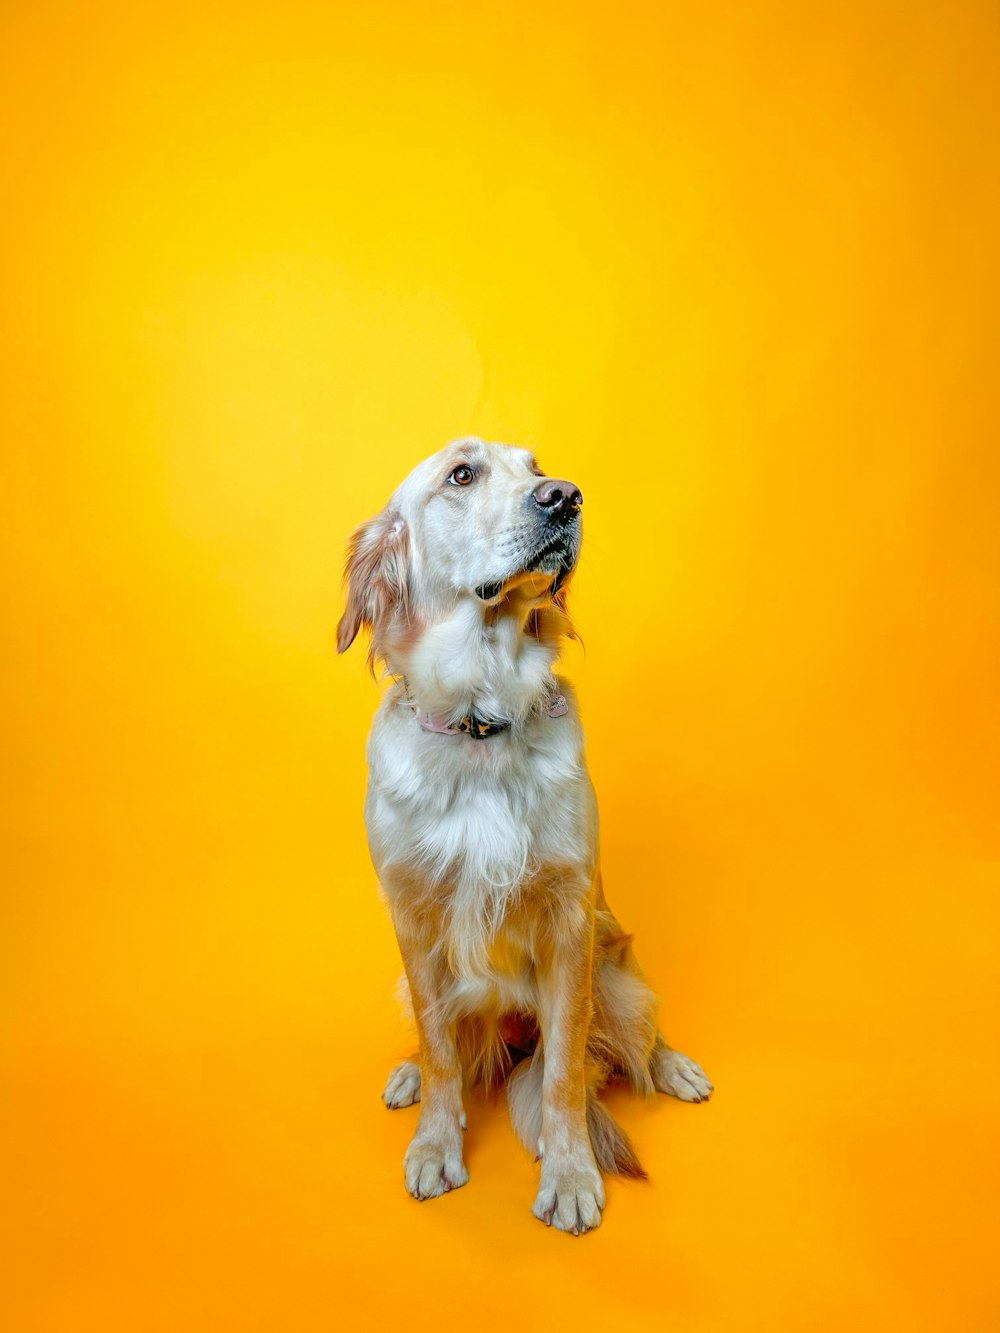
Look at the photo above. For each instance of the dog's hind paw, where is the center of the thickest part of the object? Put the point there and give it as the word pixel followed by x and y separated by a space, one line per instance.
pixel 403 1087
pixel 679 1076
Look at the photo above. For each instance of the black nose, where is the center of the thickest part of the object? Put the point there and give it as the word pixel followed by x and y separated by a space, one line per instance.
pixel 560 499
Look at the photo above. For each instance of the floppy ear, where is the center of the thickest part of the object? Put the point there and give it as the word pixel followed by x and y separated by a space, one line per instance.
pixel 376 575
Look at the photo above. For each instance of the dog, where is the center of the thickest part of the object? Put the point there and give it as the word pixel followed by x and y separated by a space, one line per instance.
pixel 482 826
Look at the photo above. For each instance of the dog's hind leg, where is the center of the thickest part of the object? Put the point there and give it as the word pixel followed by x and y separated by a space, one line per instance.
pixel 403 1086
pixel 678 1074
pixel 624 1033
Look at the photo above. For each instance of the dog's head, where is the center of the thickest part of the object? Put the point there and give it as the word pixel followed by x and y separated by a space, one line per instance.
pixel 475 521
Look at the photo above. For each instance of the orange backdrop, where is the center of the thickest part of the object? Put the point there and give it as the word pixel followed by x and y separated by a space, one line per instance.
pixel 731 267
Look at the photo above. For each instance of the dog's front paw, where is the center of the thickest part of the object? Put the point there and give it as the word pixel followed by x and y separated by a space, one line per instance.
pixel 403 1086
pixel 679 1076
pixel 570 1196
pixel 433 1164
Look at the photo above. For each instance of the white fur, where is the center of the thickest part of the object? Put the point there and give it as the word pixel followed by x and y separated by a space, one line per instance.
pixel 680 1076
pixel 481 816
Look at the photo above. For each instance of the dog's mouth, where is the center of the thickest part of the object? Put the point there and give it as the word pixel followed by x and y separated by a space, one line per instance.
pixel 555 558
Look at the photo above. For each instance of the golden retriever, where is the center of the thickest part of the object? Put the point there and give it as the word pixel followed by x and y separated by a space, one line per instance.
pixel 482 824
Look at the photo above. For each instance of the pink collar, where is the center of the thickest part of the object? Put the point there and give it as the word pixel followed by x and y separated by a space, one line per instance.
pixel 480 729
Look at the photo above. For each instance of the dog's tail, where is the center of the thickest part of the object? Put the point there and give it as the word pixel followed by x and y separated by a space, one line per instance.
pixel 609 1141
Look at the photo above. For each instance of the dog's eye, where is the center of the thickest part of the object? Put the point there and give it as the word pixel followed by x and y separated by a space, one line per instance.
pixel 462 476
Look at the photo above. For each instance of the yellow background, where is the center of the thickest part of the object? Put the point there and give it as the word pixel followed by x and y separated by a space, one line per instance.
pixel 734 270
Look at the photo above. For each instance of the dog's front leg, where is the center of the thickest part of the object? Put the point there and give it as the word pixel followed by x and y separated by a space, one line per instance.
pixel 571 1192
pixel 433 1163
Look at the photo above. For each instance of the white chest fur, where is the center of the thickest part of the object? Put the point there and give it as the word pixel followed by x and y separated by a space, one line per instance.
pixel 474 820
